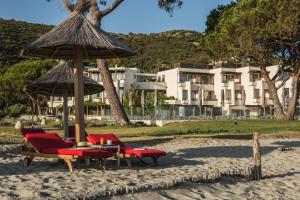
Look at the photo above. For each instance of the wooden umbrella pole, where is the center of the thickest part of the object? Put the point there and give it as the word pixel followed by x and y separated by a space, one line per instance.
pixel 66 115
pixel 79 96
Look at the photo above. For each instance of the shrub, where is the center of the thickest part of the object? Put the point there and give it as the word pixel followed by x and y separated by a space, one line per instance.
pixel 16 110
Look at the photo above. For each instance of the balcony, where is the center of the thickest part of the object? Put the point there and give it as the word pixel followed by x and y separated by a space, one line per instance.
pixel 181 84
pixel 210 103
pixel 253 83
pixel 238 102
pixel 268 102
pixel 150 85
pixel 224 84
pixel 256 100
pixel 185 101
pixel 173 102
pixel 228 101
pixel 237 81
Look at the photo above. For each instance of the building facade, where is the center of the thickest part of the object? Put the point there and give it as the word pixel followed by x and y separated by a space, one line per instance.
pixel 196 90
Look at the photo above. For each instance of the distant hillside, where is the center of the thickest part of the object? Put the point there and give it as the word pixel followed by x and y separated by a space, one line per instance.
pixel 154 50
pixel 14 35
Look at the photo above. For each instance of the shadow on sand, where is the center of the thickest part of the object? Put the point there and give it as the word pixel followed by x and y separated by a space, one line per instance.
pixel 288 143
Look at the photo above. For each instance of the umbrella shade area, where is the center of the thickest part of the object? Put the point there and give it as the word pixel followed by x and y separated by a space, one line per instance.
pixel 77 32
pixel 77 38
pixel 59 81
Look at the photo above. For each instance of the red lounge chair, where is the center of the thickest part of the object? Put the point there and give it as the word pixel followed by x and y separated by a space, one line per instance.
pixel 50 145
pixel 127 152
pixel 24 131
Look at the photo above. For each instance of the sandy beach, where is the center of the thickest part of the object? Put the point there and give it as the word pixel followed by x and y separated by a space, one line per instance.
pixel 187 158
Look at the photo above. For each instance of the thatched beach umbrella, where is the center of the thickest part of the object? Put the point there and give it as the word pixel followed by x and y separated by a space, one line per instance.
pixel 59 81
pixel 76 38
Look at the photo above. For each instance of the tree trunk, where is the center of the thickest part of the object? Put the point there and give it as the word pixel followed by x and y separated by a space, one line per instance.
pixel 113 98
pixel 279 113
pixel 108 84
pixel 293 100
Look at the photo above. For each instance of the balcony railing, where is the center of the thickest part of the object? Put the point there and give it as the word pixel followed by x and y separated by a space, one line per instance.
pixel 224 84
pixel 256 100
pixel 210 99
pixel 228 101
pixel 253 83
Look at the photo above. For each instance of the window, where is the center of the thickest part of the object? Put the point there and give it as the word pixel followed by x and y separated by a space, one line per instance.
pixel 256 94
pixel 96 96
pixel 238 94
pixel 286 92
pixel 284 76
pixel 206 79
pixel 57 98
pixel 228 94
pixel 95 76
pixel 183 78
pixel 161 78
pixel 268 95
pixel 209 96
pixel 225 78
pixel 230 77
pixel 254 77
pixel 185 95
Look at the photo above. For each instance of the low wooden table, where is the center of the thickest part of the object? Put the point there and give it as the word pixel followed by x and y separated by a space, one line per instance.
pixel 106 146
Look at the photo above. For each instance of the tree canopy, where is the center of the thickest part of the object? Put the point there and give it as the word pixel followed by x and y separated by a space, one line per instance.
pixel 263 33
pixel 15 78
pixel 250 28
pixel 215 15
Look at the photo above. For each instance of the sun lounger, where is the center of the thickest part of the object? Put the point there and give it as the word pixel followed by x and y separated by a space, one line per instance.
pixel 50 145
pixel 127 152
pixel 25 146
pixel 71 140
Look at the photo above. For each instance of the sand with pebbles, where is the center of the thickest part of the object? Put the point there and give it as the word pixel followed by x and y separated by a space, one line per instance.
pixel 186 159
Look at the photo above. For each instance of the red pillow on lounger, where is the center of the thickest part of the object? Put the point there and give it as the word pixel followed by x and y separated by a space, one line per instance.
pixel 140 153
pixel 41 141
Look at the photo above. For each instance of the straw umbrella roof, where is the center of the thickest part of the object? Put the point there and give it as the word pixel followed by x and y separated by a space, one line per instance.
pixel 60 80
pixel 77 32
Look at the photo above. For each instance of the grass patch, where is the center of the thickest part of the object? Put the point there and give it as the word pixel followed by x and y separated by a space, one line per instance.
pixel 212 127
pixel 207 127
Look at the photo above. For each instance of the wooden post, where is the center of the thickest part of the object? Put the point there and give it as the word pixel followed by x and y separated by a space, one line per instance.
pixel 257 157
pixel 79 96
pixel 66 115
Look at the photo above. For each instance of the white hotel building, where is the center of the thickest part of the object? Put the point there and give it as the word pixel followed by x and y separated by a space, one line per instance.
pixel 214 90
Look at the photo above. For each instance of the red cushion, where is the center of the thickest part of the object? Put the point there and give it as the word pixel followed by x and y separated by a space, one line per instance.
pixel 144 152
pixel 95 139
pixel 95 153
pixel 42 141
pixel 32 130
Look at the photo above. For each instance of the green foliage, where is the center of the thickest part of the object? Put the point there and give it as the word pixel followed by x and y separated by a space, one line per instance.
pixel 16 77
pixel 163 50
pixel 132 98
pixel 14 35
pixel 153 50
pixel 15 110
pixel 254 29
pixel 215 15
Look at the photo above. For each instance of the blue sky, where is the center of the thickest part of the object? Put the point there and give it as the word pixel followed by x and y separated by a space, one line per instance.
pixel 137 16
